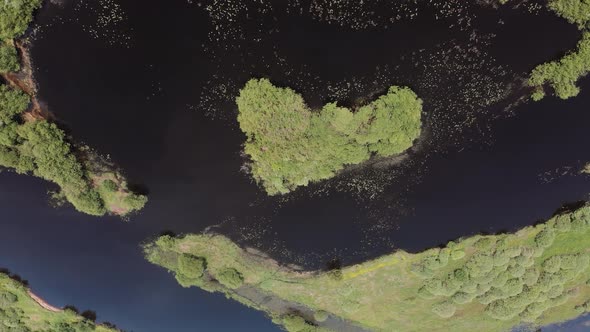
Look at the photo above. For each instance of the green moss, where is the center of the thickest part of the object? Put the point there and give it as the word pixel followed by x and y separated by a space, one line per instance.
pixel 290 146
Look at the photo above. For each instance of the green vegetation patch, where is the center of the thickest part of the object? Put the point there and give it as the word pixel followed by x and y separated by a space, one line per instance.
pixel 290 145
pixel 15 17
pixel 562 74
pixel 536 276
pixel 39 147
pixel 8 58
pixel 574 11
pixel 19 312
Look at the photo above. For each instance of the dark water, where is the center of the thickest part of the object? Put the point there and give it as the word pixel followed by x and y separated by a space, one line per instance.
pixel 152 85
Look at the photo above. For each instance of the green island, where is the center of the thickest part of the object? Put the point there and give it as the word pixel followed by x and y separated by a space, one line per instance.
pixel 561 75
pixel 32 144
pixel 536 276
pixel 290 145
pixel 23 311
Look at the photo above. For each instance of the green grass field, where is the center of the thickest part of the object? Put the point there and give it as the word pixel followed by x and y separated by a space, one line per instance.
pixel 533 277
pixel 19 312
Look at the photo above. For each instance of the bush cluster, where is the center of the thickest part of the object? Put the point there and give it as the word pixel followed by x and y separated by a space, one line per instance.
pixel 8 58
pixel 15 17
pixel 507 279
pixel 41 148
pixel 230 278
pixel 291 146
pixel 574 11
pixel 563 74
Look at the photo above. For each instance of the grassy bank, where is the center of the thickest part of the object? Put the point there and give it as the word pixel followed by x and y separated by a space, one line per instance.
pixel 22 311
pixel 536 276
pixel 31 144
pixel 291 145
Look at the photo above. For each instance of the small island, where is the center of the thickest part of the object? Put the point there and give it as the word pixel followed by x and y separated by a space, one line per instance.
pixel 23 311
pixel 290 145
pixel 536 276
pixel 30 143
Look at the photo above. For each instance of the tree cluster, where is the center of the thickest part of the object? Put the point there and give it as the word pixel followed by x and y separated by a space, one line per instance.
pixel 513 282
pixel 574 11
pixel 290 146
pixel 562 74
pixel 15 17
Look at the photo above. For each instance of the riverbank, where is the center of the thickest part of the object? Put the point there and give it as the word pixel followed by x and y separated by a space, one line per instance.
pixel 536 276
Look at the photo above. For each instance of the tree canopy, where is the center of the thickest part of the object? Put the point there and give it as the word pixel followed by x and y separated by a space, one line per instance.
pixel 290 145
pixel 8 58
pixel 574 11
pixel 41 148
pixel 563 74
pixel 15 16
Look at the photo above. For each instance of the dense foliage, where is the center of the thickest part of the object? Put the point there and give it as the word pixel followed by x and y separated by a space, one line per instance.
pixel 575 11
pixel 512 282
pixel 536 276
pixel 8 58
pixel 41 148
pixel 20 313
pixel 290 146
pixel 15 16
pixel 563 74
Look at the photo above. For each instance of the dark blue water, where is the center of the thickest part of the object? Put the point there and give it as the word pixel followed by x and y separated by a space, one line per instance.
pixel 155 91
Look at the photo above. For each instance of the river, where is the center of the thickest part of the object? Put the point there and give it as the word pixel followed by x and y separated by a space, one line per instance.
pixel 152 85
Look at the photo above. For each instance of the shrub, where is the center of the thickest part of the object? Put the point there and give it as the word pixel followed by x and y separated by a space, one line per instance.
pixel 320 316
pixel 294 323
pixel 501 258
pixel 516 271
pixel 230 278
pixel 8 58
pixel 421 271
pixel 16 17
pixel 531 275
pixel 110 185
pixel 424 293
pixel 563 74
pixel 484 243
pixel 457 254
pixel 501 279
pixel 552 264
pixel 563 223
pixel 480 264
pixel 444 309
pixel 290 146
pixel 554 291
pixel 513 287
pixel 462 297
pixel 7 298
pixel 191 266
pixel 460 275
pixel 545 238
